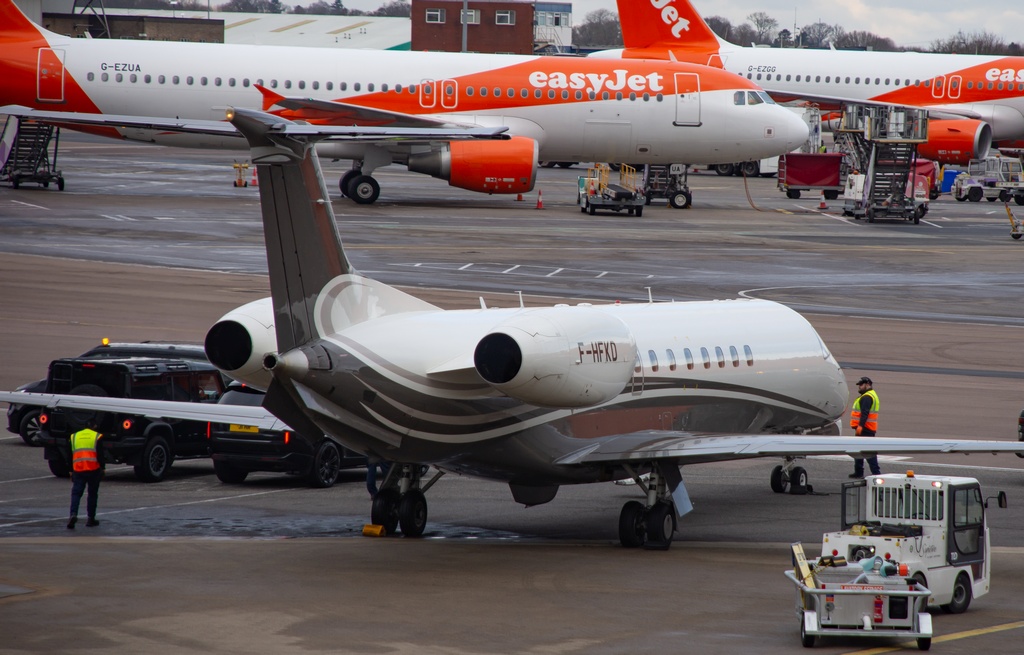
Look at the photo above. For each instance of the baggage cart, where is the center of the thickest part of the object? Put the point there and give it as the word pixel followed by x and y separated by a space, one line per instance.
pixel 868 599
pixel 596 193
pixel 802 171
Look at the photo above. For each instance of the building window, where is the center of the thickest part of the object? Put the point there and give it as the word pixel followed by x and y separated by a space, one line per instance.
pixel 435 15
pixel 471 16
pixel 505 17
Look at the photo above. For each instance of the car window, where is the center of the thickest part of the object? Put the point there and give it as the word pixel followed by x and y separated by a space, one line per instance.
pixel 151 388
pixel 209 386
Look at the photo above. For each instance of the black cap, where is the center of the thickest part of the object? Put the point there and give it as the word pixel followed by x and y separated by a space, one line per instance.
pixel 864 380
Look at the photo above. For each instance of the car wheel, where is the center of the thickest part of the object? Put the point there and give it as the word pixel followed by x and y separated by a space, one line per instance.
pixel 229 474
pixel 155 461
pixel 961 596
pixel 975 194
pixel 793 194
pixel 58 465
pixel 29 427
pixel 326 465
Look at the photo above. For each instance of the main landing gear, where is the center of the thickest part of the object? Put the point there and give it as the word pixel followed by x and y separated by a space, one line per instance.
pixel 362 188
pixel 789 476
pixel 402 502
pixel 650 524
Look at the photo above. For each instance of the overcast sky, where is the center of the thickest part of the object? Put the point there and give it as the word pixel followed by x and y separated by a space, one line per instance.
pixel 906 22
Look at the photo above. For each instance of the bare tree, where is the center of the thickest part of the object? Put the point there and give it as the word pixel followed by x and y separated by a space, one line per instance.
pixel 398 8
pixel 973 43
pixel 744 35
pixel 816 35
pixel 764 26
pixel 720 26
pixel 600 28
pixel 861 40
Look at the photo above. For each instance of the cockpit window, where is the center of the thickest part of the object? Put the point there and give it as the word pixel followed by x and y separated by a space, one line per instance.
pixel 739 98
pixel 753 98
pixel 767 98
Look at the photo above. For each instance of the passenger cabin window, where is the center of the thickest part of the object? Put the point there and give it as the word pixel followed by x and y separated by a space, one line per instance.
pixel 689 359
pixel 671 356
pixel 735 355
pixel 653 358
pixel 749 354
pixel 705 356
pixel 720 355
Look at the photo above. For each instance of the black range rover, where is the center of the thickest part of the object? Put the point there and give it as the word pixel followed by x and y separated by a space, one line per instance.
pixel 150 444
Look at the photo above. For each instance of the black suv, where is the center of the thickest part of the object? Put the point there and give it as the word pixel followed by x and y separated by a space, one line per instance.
pixel 238 450
pixel 24 419
pixel 149 444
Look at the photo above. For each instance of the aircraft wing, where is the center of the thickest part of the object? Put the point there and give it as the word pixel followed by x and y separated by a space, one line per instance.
pixel 332 112
pixel 834 102
pixel 224 128
pixel 686 448
pixel 244 415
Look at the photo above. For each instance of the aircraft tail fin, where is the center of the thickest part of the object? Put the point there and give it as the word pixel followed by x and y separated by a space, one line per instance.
pixel 15 25
pixel 314 289
pixel 667 29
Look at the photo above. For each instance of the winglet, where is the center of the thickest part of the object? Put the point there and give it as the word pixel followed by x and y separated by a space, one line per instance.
pixel 270 98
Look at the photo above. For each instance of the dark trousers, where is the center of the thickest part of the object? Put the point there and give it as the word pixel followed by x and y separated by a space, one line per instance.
pixel 79 481
pixel 858 464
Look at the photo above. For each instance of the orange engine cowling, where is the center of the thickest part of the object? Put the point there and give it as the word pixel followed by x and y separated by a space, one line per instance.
pixel 485 166
pixel 956 141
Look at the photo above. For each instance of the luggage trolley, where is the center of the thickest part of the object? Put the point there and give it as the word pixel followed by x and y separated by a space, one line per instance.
pixel 867 599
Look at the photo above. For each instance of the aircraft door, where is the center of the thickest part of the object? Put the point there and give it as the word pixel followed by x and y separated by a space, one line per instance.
pixel 449 93
pixel 428 96
pixel 50 75
pixel 954 86
pixel 636 383
pixel 687 100
pixel 938 86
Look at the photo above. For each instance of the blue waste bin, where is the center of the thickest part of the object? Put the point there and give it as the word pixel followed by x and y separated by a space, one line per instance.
pixel 947 180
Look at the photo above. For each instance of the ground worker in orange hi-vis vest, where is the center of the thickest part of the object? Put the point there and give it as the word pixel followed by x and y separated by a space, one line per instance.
pixel 87 471
pixel 865 421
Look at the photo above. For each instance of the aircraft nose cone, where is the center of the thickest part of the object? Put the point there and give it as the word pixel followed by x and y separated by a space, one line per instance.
pixel 793 130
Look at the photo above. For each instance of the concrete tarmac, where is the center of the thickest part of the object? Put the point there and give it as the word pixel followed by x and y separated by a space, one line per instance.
pixel 158 246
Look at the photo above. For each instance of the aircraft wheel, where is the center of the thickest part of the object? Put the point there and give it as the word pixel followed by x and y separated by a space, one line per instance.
pixel 750 169
pixel 29 427
pixel 961 596
pixel 155 461
pixel 346 179
pixel 798 481
pixel 412 513
pixel 660 526
pixel 632 525
pixel 326 465
pixel 365 189
pixel 681 200
pixel 724 169
pixel 384 511
pixel 777 480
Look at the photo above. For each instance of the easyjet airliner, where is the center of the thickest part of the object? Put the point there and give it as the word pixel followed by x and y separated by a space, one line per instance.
pixel 555 108
pixel 972 99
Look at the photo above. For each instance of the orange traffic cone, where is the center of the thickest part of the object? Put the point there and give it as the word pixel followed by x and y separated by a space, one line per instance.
pixel 821 203
pixel 540 200
pixel 255 180
pixel 519 197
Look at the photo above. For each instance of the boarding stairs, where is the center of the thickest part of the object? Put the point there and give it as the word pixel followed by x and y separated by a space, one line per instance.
pixel 29 159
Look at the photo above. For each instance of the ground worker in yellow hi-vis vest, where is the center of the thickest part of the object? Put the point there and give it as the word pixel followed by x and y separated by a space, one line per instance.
pixel 864 421
pixel 87 471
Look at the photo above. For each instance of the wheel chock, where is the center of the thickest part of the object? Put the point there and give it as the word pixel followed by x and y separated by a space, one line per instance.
pixel 374 530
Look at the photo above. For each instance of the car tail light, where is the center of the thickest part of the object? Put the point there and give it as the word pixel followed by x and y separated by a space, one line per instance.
pixel 208 428
pixel 287 437
pixel 127 424
pixel 44 419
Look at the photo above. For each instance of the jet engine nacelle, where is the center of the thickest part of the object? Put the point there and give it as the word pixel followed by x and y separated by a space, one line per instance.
pixel 558 357
pixel 956 141
pixel 237 342
pixel 485 166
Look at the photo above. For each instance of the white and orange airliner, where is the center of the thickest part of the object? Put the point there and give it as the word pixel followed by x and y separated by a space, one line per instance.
pixel 972 100
pixel 554 108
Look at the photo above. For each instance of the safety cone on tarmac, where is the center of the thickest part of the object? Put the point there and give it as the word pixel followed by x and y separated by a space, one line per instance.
pixel 821 202
pixel 519 197
pixel 540 200
pixel 255 180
